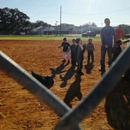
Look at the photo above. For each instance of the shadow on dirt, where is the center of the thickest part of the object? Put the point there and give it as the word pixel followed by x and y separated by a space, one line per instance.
pixel 45 80
pixel 58 70
pixel 67 76
pixel 73 91
pixel 117 106
pixel 89 67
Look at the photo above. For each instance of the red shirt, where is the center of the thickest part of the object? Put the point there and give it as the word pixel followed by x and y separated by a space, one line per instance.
pixel 119 34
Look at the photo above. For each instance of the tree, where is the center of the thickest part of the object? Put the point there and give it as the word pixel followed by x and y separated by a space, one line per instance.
pixel 41 23
pixel 12 20
pixel 94 24
pixel 89 24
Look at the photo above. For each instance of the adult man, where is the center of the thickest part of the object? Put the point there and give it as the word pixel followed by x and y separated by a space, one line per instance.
pixel 119 33
pixel 107 37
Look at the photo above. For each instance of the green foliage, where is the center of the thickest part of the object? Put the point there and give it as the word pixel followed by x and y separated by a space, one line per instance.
pixel 12 20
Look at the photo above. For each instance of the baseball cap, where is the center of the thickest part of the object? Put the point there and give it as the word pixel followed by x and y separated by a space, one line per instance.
pixel 78 40
pixel 65 39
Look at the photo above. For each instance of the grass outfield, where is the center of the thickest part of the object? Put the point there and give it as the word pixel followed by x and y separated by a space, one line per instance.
pixel 29 37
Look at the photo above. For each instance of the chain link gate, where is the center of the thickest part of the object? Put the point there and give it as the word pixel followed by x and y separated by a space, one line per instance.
pixel 70 118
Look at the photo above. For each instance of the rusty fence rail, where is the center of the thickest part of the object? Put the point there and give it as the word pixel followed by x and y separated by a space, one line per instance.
pixel 70 118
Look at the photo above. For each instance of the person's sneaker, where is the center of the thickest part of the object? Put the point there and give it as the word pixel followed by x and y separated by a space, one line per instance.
pixel 63 60
pixel 103 70
pixel 100 69
pixel 76 64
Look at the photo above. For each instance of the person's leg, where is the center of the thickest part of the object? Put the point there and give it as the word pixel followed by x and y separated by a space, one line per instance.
pixel 102 61
pixel 109 51
pixel 80 66
pixel 68 56
pixel 73 60
pixel 92 55
pixel 88 56
pixel 64 55
pixel 114 56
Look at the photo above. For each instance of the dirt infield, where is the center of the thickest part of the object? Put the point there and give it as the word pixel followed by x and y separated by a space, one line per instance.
pixel 20 110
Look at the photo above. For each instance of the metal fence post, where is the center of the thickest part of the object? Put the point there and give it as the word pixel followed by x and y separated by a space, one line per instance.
pixel 13 70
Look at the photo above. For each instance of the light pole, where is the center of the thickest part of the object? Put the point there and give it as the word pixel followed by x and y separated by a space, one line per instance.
pixel 56 27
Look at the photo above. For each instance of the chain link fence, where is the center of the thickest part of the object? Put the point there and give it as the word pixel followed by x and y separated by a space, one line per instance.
pixel 70 118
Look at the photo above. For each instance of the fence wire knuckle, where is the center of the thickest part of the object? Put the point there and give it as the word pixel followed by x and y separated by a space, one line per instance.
pixel 69 118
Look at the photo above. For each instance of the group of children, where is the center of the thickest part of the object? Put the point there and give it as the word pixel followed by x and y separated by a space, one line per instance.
pixel 77 52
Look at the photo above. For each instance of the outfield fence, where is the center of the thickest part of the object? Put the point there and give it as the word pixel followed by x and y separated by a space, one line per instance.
pixel 70 118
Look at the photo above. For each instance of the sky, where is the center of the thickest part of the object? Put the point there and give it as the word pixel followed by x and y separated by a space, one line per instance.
pixel 77 12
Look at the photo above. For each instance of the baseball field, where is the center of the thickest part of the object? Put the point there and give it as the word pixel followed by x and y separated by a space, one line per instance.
pixel 20 110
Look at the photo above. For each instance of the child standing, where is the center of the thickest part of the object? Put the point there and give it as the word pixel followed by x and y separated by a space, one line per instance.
pixel 73 52
pixel 79 55
pixel 66 47
pixel 90 49
pixel 117 50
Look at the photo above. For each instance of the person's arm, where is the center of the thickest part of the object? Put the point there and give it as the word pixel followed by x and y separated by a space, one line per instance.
pixel 102 41
pixel 60 45
pixel 114 37
pixel 69 46
pixel 114 40
pixel 87 47
pixel 105 45
pixel 101 37
pixel 78 54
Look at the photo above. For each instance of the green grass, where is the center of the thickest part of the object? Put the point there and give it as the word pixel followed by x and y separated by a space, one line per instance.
pixel 29 37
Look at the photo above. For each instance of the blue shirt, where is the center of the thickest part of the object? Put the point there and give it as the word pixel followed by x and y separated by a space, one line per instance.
pixel 107 34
